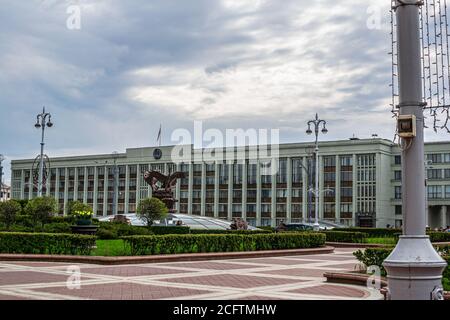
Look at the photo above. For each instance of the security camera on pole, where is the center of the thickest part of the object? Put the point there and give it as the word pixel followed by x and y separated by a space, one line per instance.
pixel 414 269
pixel 316 123
pixel 42 120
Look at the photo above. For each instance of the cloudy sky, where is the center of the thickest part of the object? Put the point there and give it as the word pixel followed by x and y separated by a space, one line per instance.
pixel 230 63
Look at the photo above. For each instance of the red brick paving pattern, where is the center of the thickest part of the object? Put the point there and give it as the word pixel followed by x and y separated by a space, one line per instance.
pixel 130 271
pixel 211 265
pixel 9 297
pixel 344 266
pixel 258 298
pixel 332 290
pixel 327 258
pixel 28 277
pixel 299 272
pixel 210 281
pixel 234 281
pixel 123 291
pixel 278 261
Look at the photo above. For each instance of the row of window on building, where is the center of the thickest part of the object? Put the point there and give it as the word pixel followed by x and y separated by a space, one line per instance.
pixel 433 192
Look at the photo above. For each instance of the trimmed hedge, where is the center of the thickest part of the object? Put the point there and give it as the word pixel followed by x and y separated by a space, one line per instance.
pixel 45 243
pixel 171 244
pixel 345 236
pixel 439 236
pixel 161 230
pixel 115 230
pixel 197 231
pixel 373 232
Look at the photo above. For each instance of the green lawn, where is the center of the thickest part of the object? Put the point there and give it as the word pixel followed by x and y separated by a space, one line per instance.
pixel 111 248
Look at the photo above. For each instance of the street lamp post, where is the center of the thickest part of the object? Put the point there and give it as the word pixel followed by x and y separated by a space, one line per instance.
pixel 414 268
pixel 1 176
pixel 316 123
pixel 42 120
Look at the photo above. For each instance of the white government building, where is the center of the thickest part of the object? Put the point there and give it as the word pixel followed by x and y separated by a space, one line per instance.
pixel 360 183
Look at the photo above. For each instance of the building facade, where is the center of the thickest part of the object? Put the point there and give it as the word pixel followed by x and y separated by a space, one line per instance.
pixel 360 182
pixel 5 193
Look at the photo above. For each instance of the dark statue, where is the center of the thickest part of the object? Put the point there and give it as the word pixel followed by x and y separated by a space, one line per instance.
pixel 163 186
pixel 239 224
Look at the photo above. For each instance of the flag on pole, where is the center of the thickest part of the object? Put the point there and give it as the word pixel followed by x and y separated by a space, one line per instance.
pixel 159 136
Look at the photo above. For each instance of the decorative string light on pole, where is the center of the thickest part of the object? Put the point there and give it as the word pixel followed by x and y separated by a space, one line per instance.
pixel 414 268
pixel 316 124
pixel 43 120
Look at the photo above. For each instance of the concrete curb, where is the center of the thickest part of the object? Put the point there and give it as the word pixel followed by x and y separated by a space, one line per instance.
pixel 163 258
pixel 354 245
pixel 372 245
pixel 360 279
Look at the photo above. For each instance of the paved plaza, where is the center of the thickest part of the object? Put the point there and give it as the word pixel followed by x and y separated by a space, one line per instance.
pixel 290 278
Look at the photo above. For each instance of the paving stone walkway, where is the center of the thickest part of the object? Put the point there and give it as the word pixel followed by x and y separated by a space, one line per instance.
pixel 290 277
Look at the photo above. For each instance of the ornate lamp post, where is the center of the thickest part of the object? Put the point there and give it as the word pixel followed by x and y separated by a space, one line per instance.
pixel 316 123
pixel 42 120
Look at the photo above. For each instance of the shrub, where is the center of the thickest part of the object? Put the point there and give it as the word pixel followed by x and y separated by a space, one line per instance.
pixel 160 230
pixel 105 234
pixel 45 243
pixel 439 236
pixel 62 227
pixel 41 209
pixel 25 220
pixel 446 275
pixel 345 236
pixel 151 209
pixel 168 244
pixel 373 232
pixel 74 206
pixel 8 212
pixel 63 219
pixel 115 230
pixel 373 257
pixel 201 231
pixel 268 228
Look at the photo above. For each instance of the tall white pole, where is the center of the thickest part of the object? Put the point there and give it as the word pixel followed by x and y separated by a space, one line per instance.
pixel 414 268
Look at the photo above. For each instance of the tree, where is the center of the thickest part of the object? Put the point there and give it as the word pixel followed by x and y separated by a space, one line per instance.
pixel 152 209
pixel 41 209
pixel 8 212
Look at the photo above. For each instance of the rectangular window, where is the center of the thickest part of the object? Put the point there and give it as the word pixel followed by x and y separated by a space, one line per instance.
pixel 251 173
pixel 297 169
pixel 397 175
pixel 397 192
pixel 447 192
pixel 329 162
pixel 447 173
pixel 435 157
pixel 446 157
pixel 237 173
pixel 434 174
pixel 282 171
pixel 398 159
pixel 346 161
pixel 398 210
pixel 434 192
